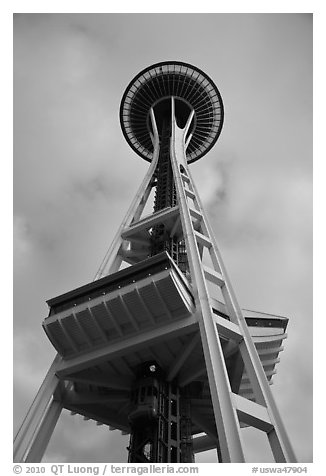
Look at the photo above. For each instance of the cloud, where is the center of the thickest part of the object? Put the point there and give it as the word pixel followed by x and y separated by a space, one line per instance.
pixel 22 246
pixel 212 177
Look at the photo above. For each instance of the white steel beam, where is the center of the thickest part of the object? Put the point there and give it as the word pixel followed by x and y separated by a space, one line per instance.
pixel 148 222
pixel 213 276
pixel 182 357
pixel 252 413
pixel 195 213
pixel 39 408
pixel 185 178
pixel 190 194
pixel 44 432
pixel 202 239
pixel 227 329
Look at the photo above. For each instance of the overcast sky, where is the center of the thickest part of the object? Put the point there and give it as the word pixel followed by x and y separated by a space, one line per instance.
pixel 75 176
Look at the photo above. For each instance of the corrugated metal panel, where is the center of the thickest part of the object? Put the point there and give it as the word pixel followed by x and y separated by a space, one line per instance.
pixel 58 338
pixel 135 307
pixel 272 345
pixel 73 330
pixel 149 295
pixel 85 320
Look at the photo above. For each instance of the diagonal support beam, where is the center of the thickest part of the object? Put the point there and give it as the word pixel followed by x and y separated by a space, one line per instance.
pixel 191 374
pixel 227 329
pixel 207 426
pixel 36 412
pixel 148 222
pixel 182 357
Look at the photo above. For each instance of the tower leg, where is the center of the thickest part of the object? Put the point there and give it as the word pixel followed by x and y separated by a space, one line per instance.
pixel 44 432
pixel 35 432
pixel 225 415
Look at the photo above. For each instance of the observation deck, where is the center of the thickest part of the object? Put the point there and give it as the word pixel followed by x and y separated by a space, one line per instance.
pixel 153 88
pixel 103 330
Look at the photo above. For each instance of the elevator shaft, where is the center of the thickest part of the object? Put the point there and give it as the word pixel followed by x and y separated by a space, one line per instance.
pixel 165 196
pixel 160 420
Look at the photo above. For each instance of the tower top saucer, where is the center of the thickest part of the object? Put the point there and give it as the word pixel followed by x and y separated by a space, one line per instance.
pixel 186 83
